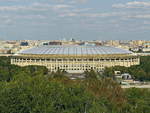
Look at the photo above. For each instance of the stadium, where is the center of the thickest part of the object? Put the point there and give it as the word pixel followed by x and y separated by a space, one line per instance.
pixel 75 58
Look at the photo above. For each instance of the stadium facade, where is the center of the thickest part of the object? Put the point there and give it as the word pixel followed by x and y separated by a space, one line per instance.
pixel 75 59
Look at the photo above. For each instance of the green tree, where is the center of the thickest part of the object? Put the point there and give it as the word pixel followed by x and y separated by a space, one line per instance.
pixel 138 100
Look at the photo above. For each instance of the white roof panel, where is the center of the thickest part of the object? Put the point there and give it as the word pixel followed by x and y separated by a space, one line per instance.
pixel 75 50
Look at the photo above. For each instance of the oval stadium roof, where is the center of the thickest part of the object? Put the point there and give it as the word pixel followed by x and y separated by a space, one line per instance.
pixel 74 50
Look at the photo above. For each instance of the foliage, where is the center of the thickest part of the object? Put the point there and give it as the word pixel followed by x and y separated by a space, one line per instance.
pixel 58 74
pixel 31 89
pixel 140 72
pixel 91 74
pixel 38 95
pixel 9 72
pixel 138 100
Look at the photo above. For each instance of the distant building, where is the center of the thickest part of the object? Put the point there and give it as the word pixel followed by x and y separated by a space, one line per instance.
pixel 113 43
pixel 146 47
pixel 5 51
pixel 75 58
pixel 55 43
pixel 24 44
pixel 137 43
pixel 45 43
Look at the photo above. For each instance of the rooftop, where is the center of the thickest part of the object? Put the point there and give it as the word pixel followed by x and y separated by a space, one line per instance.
pixel 74 50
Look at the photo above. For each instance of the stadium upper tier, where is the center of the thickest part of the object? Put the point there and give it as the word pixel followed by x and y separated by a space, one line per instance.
pixel 74 50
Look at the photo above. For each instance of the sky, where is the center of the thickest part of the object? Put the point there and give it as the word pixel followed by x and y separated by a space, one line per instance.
pixel 78 19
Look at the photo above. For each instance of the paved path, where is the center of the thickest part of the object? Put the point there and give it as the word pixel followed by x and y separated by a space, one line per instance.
pixel 135 86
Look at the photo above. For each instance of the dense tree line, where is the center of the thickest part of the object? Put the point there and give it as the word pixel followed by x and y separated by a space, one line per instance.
pixel 9 72
pixel 32 89
pixel 140 72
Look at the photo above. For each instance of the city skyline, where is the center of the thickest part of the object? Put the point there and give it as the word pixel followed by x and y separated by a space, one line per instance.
pixel 78 19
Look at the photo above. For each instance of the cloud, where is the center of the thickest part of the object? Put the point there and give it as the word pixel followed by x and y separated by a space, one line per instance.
pixel 74 12
pixel 32 11
pixel 140 16
pixel 68 14
pixel 28 0
pixel 82 1
pixel 78 1
pixel 82 10
pixel 20 8
pixel 61 6
pixel 134 14
pixel 4 19
pixel 9 19
pixel 99 15
pixel 8 0
pixel 34 7
pixel 30 16
pixel 134 4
